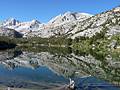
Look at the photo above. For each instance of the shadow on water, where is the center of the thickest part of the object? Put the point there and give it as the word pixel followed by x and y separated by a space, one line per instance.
pixel 51 67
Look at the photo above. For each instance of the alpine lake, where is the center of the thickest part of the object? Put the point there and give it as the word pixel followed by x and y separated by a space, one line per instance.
pixel 48 68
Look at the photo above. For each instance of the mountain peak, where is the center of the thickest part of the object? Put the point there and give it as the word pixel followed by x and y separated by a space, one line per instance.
pixel 11 19
pixel 71 13
pixel 87 14
pixel 69 16
pixel 35 21
pixel 117 9
pixel 11 22
pixel 67 13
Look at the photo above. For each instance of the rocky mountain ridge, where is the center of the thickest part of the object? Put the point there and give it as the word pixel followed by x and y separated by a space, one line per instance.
pixel 108 21
pixel 35 28
pixel 22 27
pixel 70 24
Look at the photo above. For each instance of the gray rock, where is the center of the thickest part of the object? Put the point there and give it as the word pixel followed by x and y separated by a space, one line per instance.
pixel 9 32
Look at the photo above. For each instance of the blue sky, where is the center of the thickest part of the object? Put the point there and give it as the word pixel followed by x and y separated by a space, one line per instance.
pixel 44 10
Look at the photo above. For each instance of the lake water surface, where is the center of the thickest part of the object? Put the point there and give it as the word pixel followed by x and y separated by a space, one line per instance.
pixel 50 68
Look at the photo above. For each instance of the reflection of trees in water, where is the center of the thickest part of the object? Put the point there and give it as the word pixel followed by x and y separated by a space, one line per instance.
pixel 109 66
pixel 52 50
pixel 9 54
pixel 64 62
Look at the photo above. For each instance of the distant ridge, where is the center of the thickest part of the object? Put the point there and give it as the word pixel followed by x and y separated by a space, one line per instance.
pixel 71 24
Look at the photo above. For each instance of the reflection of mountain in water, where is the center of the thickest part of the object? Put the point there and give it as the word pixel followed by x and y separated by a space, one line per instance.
pixel 7 55
pixel 68 65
